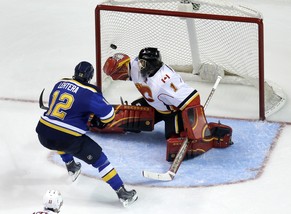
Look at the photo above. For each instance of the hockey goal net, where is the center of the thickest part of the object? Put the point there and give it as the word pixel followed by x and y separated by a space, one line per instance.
pixel 203 38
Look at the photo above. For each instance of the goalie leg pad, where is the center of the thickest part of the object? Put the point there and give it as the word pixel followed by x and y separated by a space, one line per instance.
pixel 195 147
pixel 195 123
pixel 130 118
pixel 198 147
pixel 196 129
pixel 221 135
pixel 173 146
pixel 220 138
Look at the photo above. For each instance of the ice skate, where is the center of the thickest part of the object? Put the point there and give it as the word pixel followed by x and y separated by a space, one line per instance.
pixel 126 197
pixel 74 169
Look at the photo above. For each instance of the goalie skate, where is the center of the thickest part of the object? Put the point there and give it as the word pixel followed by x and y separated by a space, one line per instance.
pixel 126 197
pixel 74 169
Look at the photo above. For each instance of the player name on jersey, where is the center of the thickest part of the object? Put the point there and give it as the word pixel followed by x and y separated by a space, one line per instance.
pixel 68 86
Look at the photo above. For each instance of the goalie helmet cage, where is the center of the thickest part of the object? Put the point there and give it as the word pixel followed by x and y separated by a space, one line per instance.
pixel 204 37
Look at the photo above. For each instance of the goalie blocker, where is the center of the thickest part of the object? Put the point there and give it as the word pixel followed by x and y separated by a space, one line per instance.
pixel 127 118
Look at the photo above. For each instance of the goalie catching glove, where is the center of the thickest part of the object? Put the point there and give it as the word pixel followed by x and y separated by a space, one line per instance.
pixel 117 66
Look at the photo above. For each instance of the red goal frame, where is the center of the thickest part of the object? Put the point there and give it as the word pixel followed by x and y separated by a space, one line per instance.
pixel 257 21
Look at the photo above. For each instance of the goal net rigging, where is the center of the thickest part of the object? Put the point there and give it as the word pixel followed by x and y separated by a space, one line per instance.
pixel 199 38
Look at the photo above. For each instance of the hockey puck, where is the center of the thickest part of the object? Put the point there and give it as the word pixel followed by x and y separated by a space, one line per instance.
pixel 113 46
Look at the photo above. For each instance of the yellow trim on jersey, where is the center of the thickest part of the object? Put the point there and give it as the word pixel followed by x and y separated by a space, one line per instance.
pixel 109 119
pixel 61 152
pixel 79 84
pixel 164 112
pixel 176 124
pixel 189 101
pixel 109 175
pixel 60 128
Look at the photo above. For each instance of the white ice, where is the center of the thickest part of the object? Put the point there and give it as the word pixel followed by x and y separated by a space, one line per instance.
pixel 40 42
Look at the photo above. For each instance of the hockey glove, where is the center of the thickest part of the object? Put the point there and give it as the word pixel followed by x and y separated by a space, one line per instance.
pixel 117 66
pixel 96 122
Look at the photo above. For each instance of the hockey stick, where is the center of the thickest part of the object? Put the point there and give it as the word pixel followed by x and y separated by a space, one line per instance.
pixel 170 174
pixel 212 91
pixel 41 105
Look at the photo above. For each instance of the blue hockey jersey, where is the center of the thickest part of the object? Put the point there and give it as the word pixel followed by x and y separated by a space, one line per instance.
pixel 70 105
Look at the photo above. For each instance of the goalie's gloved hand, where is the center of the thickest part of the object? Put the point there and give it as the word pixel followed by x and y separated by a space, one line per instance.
pixel 117 66
pixel 96 122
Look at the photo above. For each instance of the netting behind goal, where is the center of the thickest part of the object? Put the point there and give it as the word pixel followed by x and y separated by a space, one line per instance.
pixel 204 38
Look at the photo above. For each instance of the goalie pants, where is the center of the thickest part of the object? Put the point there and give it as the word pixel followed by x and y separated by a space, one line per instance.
pixel 173 121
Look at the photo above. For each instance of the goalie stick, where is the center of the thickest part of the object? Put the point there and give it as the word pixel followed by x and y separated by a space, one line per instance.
pixel 170 174
pixel 41 105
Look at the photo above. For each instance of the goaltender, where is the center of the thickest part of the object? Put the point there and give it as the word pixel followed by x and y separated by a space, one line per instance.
pixel 165 97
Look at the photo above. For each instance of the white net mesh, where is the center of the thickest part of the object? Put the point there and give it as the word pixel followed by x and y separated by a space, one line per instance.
pixel 204 47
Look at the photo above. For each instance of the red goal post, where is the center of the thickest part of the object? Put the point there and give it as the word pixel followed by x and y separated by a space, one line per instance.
pixel 199 37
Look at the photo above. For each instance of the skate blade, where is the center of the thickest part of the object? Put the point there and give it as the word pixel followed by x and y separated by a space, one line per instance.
pixel 75 175
pixel 127 203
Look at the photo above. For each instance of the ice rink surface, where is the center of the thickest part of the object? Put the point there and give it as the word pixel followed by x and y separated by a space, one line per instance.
pixel 41 42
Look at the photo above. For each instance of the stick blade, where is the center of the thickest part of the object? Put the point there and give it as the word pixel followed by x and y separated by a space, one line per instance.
pixel 168 176
pixel 41 105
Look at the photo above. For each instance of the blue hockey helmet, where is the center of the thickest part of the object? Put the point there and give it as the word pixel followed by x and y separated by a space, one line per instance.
pixel 83 72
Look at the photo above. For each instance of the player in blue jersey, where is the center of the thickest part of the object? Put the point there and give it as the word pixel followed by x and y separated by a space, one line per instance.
pixel 63 127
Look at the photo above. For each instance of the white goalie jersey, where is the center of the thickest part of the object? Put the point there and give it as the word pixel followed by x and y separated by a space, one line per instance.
pixel 165 91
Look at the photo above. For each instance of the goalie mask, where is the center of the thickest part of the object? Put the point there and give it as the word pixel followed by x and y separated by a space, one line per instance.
pixel 149 61
pixel 83 72
pixel 52 200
